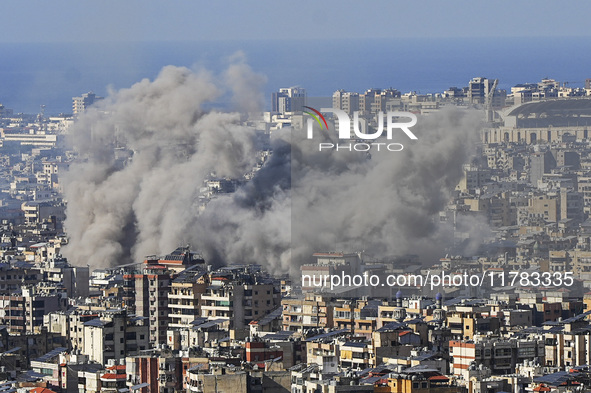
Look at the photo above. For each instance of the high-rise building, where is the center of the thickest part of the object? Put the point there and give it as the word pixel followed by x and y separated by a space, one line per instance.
pixel 312 311
pixel 24 311
pixel 184 298
pixel 240 296
pixel 375 100
pixel 571 205
pixel 346 101
pixel 290 99
pixel 479 90
pixel 151 289
pixel 540 163
pixel 367 99
pixel 113 334
pixel 79 104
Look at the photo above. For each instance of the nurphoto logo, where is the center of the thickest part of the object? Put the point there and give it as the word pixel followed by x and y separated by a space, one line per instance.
pixel 393 122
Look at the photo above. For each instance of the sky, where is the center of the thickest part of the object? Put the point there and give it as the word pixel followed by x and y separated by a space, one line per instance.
pixel 188 20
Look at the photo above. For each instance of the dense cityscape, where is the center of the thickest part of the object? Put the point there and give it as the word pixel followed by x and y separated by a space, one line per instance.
pixel 505 307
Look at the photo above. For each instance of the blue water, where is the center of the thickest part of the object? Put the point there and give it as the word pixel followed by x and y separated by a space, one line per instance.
pixel 51 74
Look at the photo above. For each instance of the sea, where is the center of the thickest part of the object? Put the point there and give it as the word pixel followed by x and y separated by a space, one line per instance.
pixel 50 74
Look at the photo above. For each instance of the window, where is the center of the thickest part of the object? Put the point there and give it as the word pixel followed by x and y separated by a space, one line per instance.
pixel 130 336
pixel 47 371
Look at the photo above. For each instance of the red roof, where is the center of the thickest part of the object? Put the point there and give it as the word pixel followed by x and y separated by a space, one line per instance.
pixel 541 388
pixel 156 267
pixel 438 378
pixel 41 390
pixel 117 367
pixel 114 376
pixel 170 261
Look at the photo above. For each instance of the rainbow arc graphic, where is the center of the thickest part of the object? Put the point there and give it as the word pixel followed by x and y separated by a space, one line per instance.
pixel 316 117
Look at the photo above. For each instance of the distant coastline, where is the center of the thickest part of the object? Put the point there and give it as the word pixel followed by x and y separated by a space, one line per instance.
pixel 35 74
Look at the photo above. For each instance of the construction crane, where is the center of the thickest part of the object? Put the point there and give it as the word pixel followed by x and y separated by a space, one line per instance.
pixel 488 102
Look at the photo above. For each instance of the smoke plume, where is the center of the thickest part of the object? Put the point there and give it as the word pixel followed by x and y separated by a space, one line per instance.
pixel 145 152
pixel 386 204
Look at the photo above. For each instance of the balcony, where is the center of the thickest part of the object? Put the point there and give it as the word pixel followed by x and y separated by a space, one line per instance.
pixel 185 306
pixel 181 296
pixel 216 308
pixel 215 298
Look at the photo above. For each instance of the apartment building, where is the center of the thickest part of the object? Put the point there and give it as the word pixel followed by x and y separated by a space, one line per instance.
pixel 501 356
pixel 146 294
pixel 312 311
pixel 114 335
pixel 184 298
pixel 240 296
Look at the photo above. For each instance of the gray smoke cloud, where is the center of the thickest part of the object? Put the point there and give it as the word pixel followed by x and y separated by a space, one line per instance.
pixel 386 204
pixel 123 206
